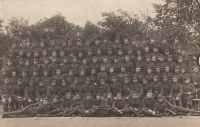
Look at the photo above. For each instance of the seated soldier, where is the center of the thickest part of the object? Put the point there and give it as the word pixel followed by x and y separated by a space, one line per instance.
pixel 54 106
pixel 65 105
pixel 63 89
pixel 188 92
pixel 52 90
pixel 30 93
pixel 88 106
pixel 148 108
pixel 41 90
pixel 76 106
pixel 6 95
pixel 165 108
pixel 134 105
pixel 37 109
pixel 119 105
pixel 176 92
pixel 18 94
pixel 107 105
pixel 103 88
pixel 98 105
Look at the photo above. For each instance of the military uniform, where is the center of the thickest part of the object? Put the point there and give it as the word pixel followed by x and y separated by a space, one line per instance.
pixel 176 91
pixel 157 88
pixel 188 93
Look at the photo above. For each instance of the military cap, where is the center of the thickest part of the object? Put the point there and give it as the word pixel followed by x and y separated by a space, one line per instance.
pixel 67 93
pixel 180 57
pixel 165 76
pixel 35 70
pixel 155 76
pixel 109 93
pixel 135 78
pixel 113 77
pixel 56 97
pixel 119 94
pixel 169 56
pixel 98 94
pixel 126 78
pixel 120 49
pixel 19 80
pixel 157 66
pixel 31 80
pixel 87 79
pixel 77 94
pixel 41 80
pixel 88 94
pixel 75 78
pixel 174 76
pixel 186 78
pixel 20 59
pixel 46 99
pixel 176 67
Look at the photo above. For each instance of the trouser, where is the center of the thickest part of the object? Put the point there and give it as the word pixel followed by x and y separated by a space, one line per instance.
pixel 133 111
pixel 55 111
pixel 7 103
pixel 76 110
pixel 18 102
pixel 59 113
pixel 29 112
pixel 178 109
pixel 118 113
pixel 88 112
pixel 187 99
pixel 174 101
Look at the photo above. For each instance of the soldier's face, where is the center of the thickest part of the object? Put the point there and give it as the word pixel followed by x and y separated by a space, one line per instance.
pixel 149 71
pixel 99 52
pixel 155 79
pixel 88 97
pixel 45 102
pixel 157 70
pixel 35 62
pixel 152 41
pixel 69 43
pixel 123 69
pixel 55 100
pixel 127 59
pixel 53 83
pixel 71 73
pixel 94 60
pixel 4 73
pixel 176 40
pixel 102 82
pixel 41 83
pixel 36 54
pixel 64 44
pixel 102 68
pixel 174 80
pixel 146 49
pixel 160 100
pixel 93 71
pixel 196 69
pixel 130 51
pixel 45 73
pixel 31 83
pixel 84 62
pixel 97 42
pixel 187 81
pixel 109 96
pixel 98 97
pixel 153 59
pixel 54 54
pixel 182 70
pixel 126 41
pixel 139 58
pixel 61 53
pixel 6 81
pixel 180 60
pixel 126 81
pixel 87 82
pixel 41 44
pixel 144 82
pixel 148 59
pixel 134 96
pixel 111 70
pixel 164 41
pixel 24 74
pixel 114 80
pixel 166 69
pixel 65 60
pixel 19 82
pixel 28 54
pixel 165 79
pixel 9 63
pixel 105 60
pixel 149 95
pixel 63 83
pixel 134 42
pixel 82 73
pixel 109 52
pixel 169 59
pixel 116 60
pixel 68 96
pixel 166 52
pixel 135 80
pixel 21 53
pixel 76 81
pixel 80 55
pixel 46 62
pixel 34 73
pixel 161 59
pixel 89 53
pixel 119 97
pixel 78 97
pixel 155 50
pixel 138 52
pixel 120 52
pixel 137 70
pixel 176 70
pixel 14 74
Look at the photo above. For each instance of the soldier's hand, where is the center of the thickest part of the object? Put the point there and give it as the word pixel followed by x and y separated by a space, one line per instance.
pixel 41 99
pixel 195 83
pixel 189 93
pixel 176 98
pixel 29 100
pixel 153 112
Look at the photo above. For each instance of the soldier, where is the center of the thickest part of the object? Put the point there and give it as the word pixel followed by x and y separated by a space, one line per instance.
pixel 52 90
pixel 117 45
pixel 35 66
pixel 102 74
pixel 183 75
pixel 176 91
pixel 134 105
pixel 111 74
pixel 106 64
pixel 117 65
pixel 171 64
pixel 70 48
pixel 120 56
pixel 35 76
pixel 149 75
pixel 188 92
pixel 157 88
pixel 52 67
pixel 107 104
pixel 88 105
pixel 195 78
pixel 81 78
pixel 89 56
pixel 167 72
pixel 177 47
pixel 74 66
pixel 104 45
pixel 63 89
pixel 128 65
pixel 123 74
pixel 30 93
pixel 166 87
pixel 148 105
pixel 95 64
pixel 96 46
pixel 177 74
pixel 126 46
pixel 119 105
pixel 54 107
pixel 79 46
pixel 138 74
pixel 33 110
pixel 13 79
pixel 181 64
pixel 131 55
pixel 17 93
pixel 75 87
pixel 126 88
pixel 80 57
pixel 93 76
pixel 19 67
pixel 164 45
pixel 70 77
pixel 137 88
pixel 146 86
pixel 64 66
pixel 103 88
pixel 162 63
pixel 43 57
pixel 87 88
pixel 140 63
pixel 6 95
pixel 46 78
pixel 41 90
pixel 110 55
pixel 99 56
pixel 59 77
pixel 115 86
pixel 148 64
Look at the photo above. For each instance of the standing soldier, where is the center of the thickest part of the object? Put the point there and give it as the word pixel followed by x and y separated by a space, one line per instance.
pixel 63 89
pixel 140 64
pixel 126 46
pixel 41 90
pixel 95 64
pixel 117 45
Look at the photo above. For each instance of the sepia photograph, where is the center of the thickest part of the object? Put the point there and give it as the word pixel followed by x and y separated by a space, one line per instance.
pixel 99 63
